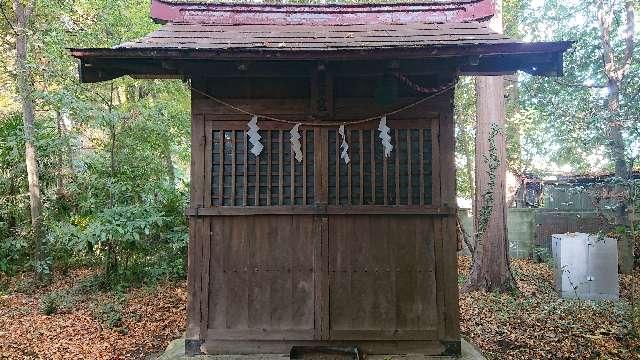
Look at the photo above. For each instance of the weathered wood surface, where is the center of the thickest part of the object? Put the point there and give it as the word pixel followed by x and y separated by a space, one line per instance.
pixel 319 252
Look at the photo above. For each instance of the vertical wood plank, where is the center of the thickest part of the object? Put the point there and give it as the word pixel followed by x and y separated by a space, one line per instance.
pixel 321 165
pixel 409 165
pixel 193 282
pixel 338 160
pixel 236 252
pixel 349 165
pixel 205 234
pixel 198 143
pixel 447 152
pixel 450 265
pixel 281 257
pixel 281 169
pixel 221 184
pixel 233 168
pixel 217 302
pixel 385 182
pixel 422 195
pixel 405 275
pixel 208 159
pixel 435 146
pixel 397 167
pixel 373 167
pixel 304 167
pixel 302 288
pixel 325 298
pixel 427 283
pixel 260 283
pixel 292 160
pixel 269 184
pixel 361 147
pixel 257 184
pixel 340 270
pixel 440 277
pixel 246 170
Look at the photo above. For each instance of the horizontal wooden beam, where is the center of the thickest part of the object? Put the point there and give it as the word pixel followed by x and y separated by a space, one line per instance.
pixel 320 210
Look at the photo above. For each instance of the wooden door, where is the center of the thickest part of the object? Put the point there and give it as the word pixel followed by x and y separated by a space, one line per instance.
pixel 381 242
pixel 318 249
pixel 382 277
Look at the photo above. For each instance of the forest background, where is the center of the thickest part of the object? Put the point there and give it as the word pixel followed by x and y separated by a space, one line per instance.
pixel 112 159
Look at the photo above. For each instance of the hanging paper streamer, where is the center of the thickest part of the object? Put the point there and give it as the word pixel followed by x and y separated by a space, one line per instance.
pixel 254 136
pixel 385 137
pixel 295 142
pixel 344 146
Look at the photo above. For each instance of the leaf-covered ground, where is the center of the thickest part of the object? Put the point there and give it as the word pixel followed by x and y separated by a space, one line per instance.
pixel 535 323
pixel 531 324
pixel 90 326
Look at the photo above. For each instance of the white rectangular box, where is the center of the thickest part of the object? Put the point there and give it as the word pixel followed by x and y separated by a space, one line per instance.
pixel 586 266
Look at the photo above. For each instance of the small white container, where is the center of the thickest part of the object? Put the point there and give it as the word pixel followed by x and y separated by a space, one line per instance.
pixel 586 266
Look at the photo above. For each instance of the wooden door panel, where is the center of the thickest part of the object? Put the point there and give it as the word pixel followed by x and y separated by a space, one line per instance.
pixel 263 273
pixel 382 277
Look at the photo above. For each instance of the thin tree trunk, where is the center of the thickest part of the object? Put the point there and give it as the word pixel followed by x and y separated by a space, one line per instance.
pixel 617 146
pixel 490 270
pixel 616 72
pixel 25 92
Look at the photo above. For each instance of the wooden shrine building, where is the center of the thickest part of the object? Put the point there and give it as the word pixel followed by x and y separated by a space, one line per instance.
pixel 349 241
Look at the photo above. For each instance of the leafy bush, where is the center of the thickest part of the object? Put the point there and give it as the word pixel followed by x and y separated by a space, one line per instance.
pixel 111 313
pixel 57 302
pixel 26 286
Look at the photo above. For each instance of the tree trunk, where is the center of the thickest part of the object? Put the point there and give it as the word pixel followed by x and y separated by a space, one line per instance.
pixel 616 72
pixel 25 92
pixel 490 270
pixel 617 148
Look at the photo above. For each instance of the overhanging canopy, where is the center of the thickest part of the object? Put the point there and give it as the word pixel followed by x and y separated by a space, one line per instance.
pixel 200 33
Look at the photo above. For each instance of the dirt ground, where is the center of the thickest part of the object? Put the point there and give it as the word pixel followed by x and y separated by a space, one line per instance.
pixel 532 323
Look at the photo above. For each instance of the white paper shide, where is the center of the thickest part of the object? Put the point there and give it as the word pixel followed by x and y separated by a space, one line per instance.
pixel 295 142
pixel 254 136
pixel 344 146
pixel 385 137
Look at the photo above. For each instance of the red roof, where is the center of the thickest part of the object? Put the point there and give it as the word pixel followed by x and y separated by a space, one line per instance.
pixel 207 12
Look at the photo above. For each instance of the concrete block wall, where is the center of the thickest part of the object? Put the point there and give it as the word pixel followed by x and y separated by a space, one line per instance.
pixel 520 231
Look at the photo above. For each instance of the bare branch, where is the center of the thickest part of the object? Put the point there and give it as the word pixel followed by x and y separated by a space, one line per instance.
pixel 605 20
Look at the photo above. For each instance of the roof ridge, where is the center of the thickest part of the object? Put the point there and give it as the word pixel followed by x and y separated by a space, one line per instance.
pixel 220 12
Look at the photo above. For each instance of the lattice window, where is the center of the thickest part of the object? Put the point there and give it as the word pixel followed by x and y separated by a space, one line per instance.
pixel 238 178
pixel 405 178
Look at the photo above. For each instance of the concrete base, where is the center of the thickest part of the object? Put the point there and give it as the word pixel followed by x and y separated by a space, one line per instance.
pixel 175 351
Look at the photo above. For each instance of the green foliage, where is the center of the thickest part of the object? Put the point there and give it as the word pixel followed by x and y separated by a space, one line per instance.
pixel 57 302
pixel 570 114
pixel 111 313
pixel 26 286
pixel 113 157
pixel 488 201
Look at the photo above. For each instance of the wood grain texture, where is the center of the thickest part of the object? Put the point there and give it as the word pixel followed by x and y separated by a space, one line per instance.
pixel 268 275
